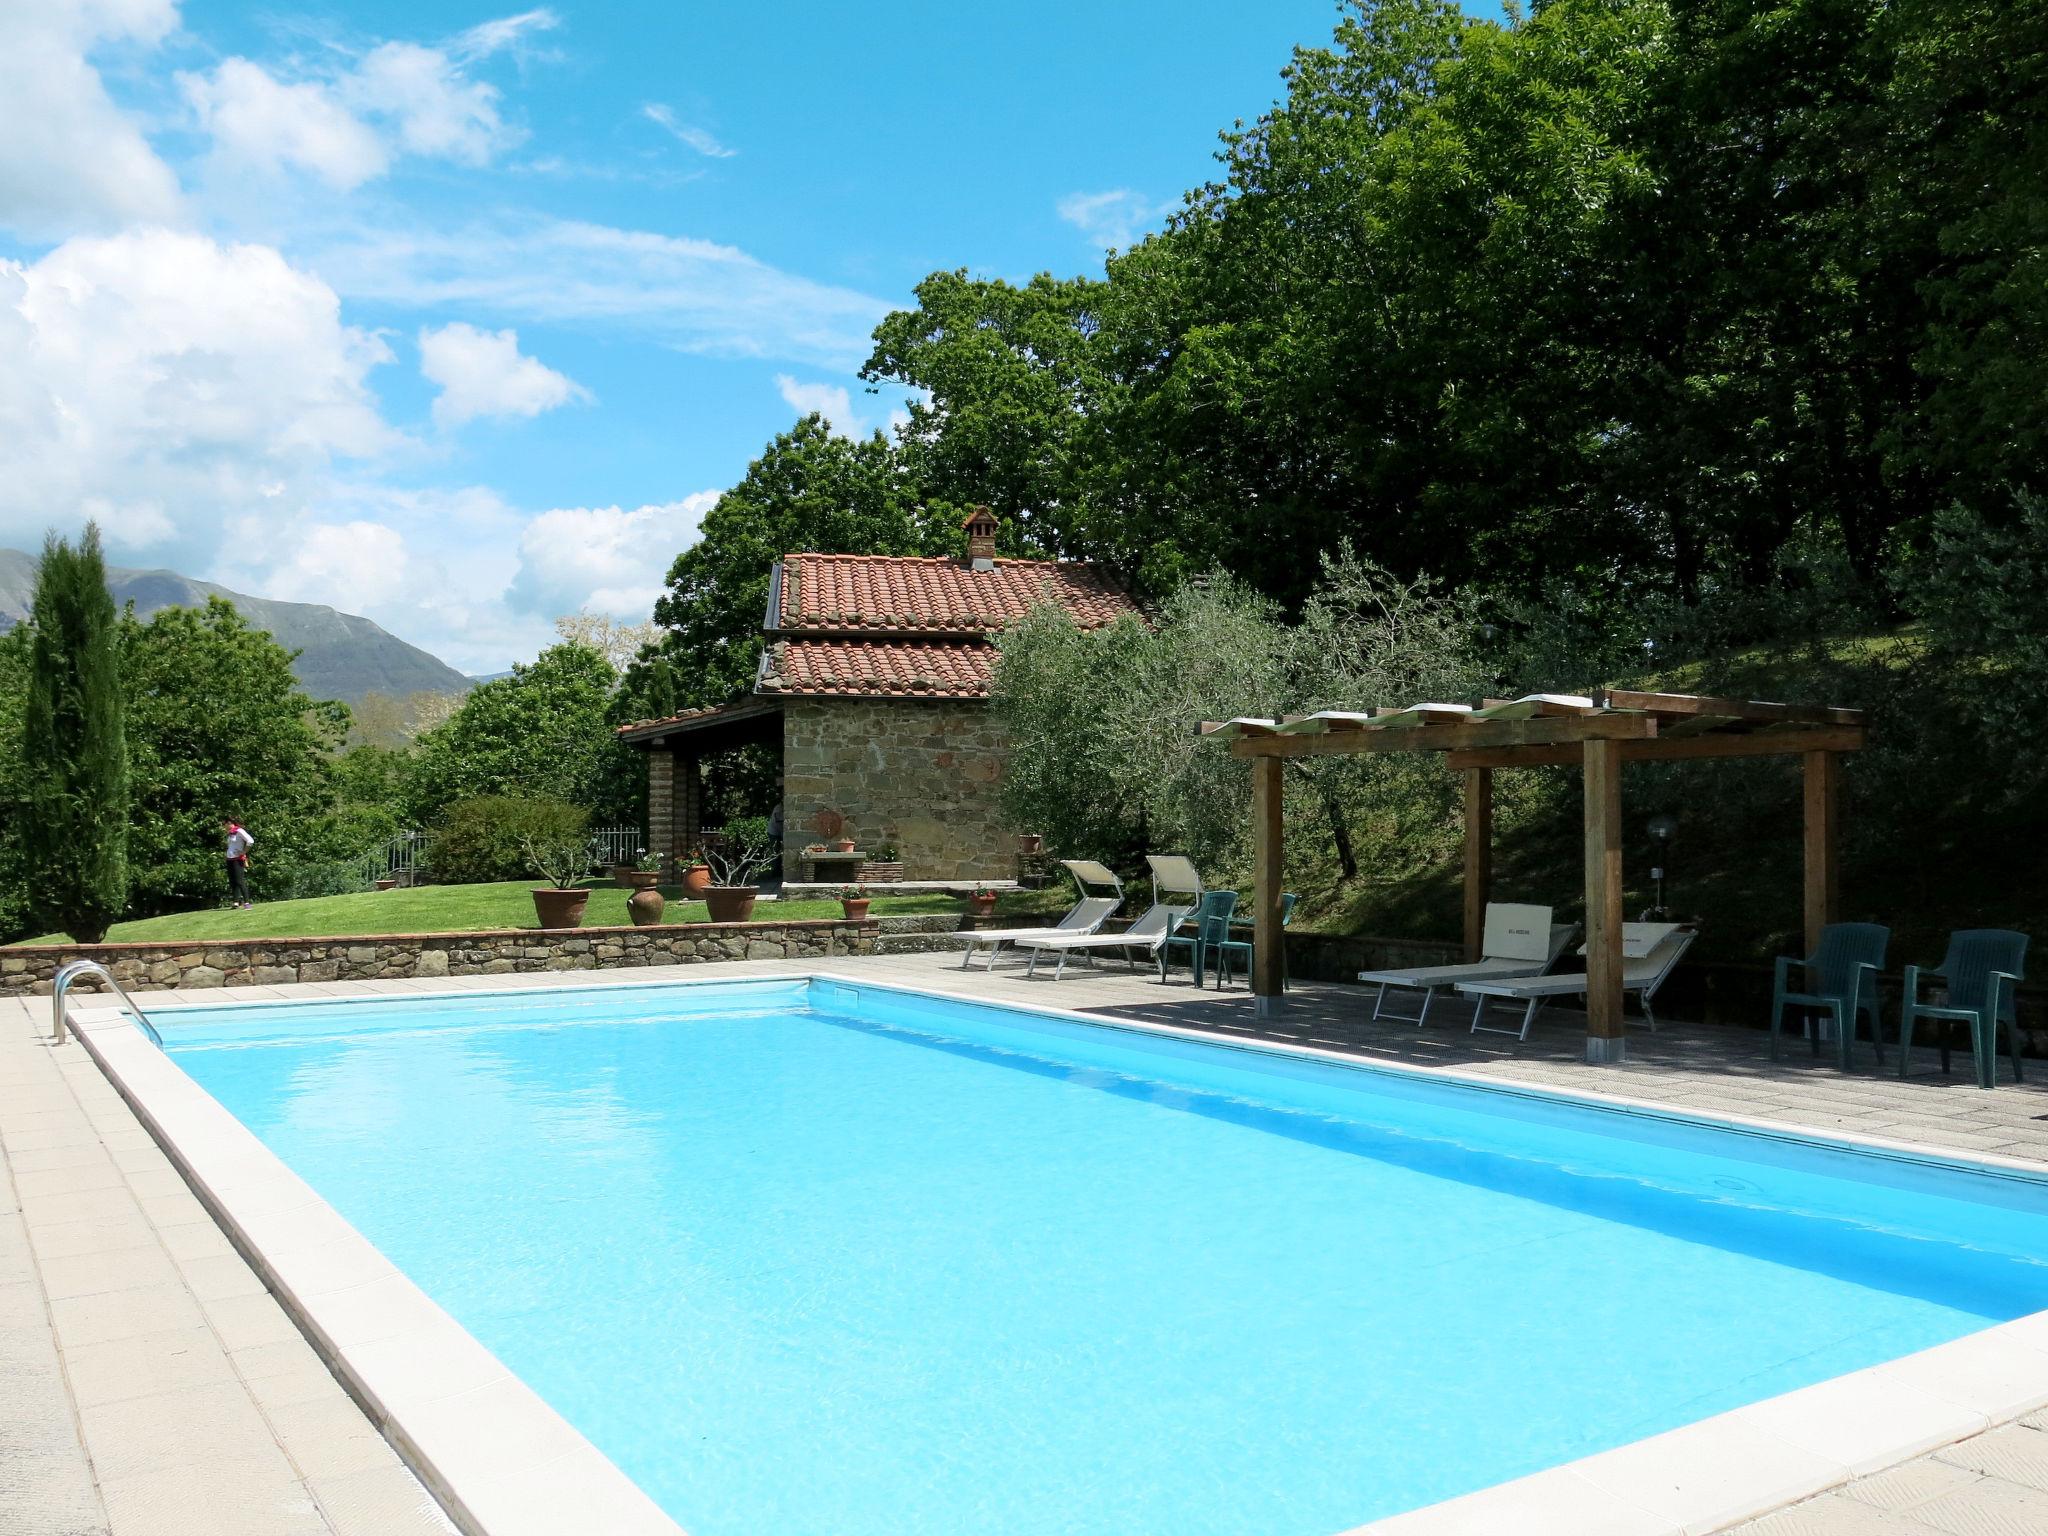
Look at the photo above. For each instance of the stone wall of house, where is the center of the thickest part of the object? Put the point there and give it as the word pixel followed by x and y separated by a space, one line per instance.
pixel 273 962
pixel 922 775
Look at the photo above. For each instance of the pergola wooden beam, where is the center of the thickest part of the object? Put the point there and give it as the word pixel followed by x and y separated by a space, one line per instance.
pixel 1470 735
pixel 1671 749
pixel 1759 711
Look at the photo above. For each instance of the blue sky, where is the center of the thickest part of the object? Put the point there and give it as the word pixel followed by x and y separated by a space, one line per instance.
pixel 460 316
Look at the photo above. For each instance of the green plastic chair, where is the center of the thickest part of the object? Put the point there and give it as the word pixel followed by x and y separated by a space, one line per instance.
pixel 1243 947
pixel 1841 979
pixel 1982 970
pixel 1212 928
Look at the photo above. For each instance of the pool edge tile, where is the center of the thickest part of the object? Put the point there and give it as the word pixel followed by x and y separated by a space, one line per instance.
pixel 226 1165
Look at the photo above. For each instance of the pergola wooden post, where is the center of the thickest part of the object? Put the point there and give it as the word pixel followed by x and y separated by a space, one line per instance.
pixel 1823 878
pixel 1267 834
pixel 1478 856
pixel 1596 733
pixel 1606 1031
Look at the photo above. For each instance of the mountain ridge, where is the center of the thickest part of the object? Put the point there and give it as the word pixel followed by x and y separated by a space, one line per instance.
pixel 341 655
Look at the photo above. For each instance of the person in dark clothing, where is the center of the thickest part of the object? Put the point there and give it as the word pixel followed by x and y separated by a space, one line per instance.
pixel 239 844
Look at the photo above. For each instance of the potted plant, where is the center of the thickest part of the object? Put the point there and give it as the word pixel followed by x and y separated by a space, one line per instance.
pixel 735 863
pixel 981 904
pixel 643 874
pixel 696 873
pixel 853 901
pixel 559 850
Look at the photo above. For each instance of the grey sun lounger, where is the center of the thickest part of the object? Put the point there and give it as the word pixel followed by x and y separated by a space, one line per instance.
pixel 1521 940
pixel 1146 934
pixel 1649 953
pixel 1084 916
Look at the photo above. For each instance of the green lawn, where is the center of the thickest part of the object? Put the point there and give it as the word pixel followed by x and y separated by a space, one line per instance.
pixel 470 908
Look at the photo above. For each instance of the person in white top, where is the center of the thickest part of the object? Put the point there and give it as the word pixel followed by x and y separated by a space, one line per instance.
pixel 239 844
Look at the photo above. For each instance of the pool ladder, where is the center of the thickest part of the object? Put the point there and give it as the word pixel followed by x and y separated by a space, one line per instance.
pixel 70 973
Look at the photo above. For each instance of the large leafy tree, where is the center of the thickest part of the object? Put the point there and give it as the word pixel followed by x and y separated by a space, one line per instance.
pixel 219 727
pixel 544 731
pixel 1011 395
pixel 73 746
pixel 809 491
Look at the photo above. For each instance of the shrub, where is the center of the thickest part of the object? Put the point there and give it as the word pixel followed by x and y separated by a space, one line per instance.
pixel 485 837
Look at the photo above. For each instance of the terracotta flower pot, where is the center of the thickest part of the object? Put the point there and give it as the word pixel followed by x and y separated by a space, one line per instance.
pixel 731 903
pixel 640 879
pixel 560 909
pixel 697 879
pixel 621 872
pixel 645 906
pixel 981 904
pixel 842 845
pixel 856 908
pixel 386 885
pixel 1030 842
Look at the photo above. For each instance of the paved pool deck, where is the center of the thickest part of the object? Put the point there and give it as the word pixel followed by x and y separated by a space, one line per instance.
pixel 151 1386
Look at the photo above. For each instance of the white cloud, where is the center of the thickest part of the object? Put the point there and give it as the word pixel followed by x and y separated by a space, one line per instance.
pixel 506 33
pixel 483 373
pixel 434 108
pixel 834 402
pixel 604 559
pixel 693 295
pixel 169 385
pixel 695 138
pixel 1113 220
pixel 346 119
pixel 263 124
pixel 70 160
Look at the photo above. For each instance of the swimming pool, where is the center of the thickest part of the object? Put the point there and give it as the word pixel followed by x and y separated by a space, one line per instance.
pixel 806 1256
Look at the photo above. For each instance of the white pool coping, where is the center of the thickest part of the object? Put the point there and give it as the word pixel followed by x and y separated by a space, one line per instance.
pixel 506 1464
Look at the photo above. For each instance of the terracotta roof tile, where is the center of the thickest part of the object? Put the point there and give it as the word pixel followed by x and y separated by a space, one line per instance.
pixel 879 668
pixel 909 595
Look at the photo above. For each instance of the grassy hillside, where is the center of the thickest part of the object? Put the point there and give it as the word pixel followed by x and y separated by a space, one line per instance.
pixel 466 908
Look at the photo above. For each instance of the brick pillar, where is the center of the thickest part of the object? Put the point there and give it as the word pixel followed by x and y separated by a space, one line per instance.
pixel 661 802
pixel 689 801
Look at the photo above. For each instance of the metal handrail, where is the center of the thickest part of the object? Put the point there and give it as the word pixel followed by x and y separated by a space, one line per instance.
pixel 69 973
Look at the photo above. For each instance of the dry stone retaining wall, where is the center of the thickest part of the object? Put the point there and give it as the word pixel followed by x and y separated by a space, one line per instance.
pixel 276 962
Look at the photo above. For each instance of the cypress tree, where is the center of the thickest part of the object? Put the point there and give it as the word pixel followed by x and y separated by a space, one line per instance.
pixel 75 745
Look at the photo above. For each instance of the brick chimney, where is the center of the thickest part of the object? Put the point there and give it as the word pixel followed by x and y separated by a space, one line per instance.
pixel 981 539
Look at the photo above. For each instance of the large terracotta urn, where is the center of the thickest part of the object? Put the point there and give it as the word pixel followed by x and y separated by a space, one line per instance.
pixel 645 905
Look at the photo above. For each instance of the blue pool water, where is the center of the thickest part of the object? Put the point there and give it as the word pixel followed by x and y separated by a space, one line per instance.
pixel 816 1261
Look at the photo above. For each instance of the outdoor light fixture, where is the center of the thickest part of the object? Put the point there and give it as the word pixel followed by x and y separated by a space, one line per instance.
pixel 1662 829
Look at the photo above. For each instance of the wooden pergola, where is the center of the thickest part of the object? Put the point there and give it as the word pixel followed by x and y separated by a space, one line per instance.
pixel 1597 732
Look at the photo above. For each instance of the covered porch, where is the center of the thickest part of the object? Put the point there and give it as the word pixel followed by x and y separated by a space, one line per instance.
pixel 1596 733
pixel 676 749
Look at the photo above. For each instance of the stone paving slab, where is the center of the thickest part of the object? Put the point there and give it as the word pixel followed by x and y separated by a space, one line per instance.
pixel 134 1399
pixel 123 1308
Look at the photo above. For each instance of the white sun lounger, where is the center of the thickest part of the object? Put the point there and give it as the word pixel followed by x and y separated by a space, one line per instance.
pixel 1085 916
pixel 1147 933
pixel 1520 940
pixel 1649 953
pixel 1173 874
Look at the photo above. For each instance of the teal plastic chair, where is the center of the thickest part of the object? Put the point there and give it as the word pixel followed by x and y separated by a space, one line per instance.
pixel 1212 928
pixel 1841 978
pixel 1982 972
pixel 1230 947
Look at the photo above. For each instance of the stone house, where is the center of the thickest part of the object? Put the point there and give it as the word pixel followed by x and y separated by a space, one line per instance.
pixel 874 685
